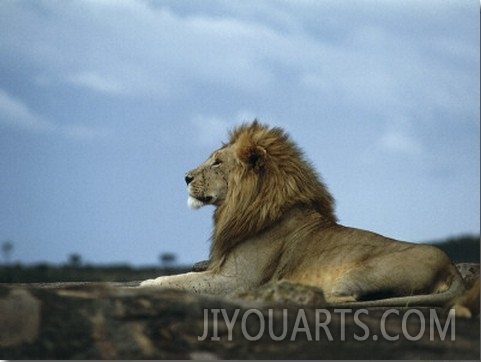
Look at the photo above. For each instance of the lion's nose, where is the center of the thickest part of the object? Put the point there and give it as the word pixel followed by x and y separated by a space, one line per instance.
pixel 188 179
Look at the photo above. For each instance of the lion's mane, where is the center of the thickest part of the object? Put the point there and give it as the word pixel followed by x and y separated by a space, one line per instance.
pixel 271 176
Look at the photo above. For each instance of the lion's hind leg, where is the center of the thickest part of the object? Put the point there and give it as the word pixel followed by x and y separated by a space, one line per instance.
pixel 396 275
pixel 365 284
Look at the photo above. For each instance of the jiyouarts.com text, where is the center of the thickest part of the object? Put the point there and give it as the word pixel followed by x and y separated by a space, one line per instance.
pixel 323 324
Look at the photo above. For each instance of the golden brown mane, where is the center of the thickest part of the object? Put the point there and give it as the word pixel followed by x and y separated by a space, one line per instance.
pixel 271 177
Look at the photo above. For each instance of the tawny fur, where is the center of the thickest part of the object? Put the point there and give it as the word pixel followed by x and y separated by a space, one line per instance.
pixel 275 220
pixel 467 305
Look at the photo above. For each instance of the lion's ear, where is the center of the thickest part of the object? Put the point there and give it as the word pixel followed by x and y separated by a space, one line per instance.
pixel 253 156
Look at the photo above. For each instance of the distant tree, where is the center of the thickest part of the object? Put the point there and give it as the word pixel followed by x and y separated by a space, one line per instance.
pixel 7 248
pixel 74 260
pixel 167 259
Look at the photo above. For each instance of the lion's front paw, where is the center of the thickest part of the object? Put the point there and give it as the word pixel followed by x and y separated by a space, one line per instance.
pixel 157 282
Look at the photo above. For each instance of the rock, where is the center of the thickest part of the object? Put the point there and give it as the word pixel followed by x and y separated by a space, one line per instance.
pixel 19 318
pixel 284 292
pixel 469 272
pixel 200 266
pixel 279 321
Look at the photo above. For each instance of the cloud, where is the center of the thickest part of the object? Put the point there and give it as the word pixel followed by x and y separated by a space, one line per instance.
pixel 116 46
pixel 268 55
pixel 84 133
pixel 163 50
pixel 96 82
pixel 16 114
pixel 402 143
pixel 210 131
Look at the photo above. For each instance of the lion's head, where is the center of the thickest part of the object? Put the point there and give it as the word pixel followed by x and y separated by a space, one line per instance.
pixel 253 180
pixel 208 183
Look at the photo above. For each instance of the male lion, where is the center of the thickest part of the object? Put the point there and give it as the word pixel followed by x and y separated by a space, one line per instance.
pixel 274 219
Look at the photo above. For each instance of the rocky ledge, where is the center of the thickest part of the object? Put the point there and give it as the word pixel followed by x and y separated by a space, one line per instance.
pixel 280 321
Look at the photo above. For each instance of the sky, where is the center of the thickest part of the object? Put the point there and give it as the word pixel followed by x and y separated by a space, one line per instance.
pixel 106 104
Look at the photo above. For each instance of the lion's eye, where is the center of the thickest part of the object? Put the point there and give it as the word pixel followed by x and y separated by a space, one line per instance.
pixel 216 162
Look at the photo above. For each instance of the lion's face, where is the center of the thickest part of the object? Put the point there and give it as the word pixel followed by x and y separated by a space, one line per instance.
pixel 208 183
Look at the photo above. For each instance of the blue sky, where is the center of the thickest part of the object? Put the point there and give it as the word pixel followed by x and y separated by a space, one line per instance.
pixel 104 105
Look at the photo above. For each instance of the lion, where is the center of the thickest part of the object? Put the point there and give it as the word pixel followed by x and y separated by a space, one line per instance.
pixel 274 220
